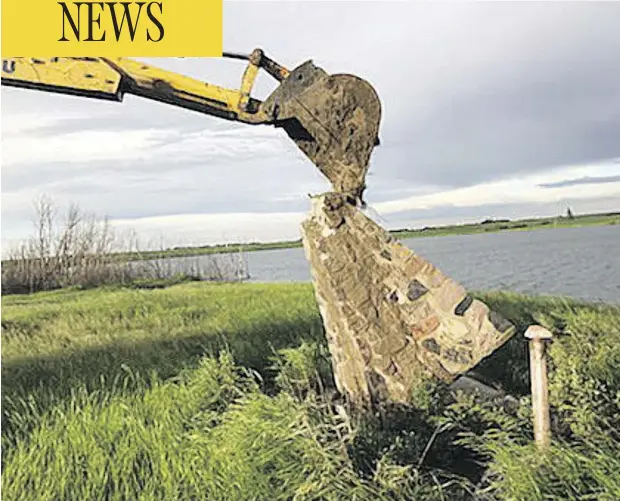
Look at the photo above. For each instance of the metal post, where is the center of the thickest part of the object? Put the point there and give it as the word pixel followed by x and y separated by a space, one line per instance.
pixel 538 337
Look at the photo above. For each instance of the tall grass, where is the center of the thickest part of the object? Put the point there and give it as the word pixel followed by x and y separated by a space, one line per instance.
pixel 225 392
pixel 583 462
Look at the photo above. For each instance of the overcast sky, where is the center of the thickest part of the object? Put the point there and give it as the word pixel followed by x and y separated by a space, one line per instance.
pixel 490 109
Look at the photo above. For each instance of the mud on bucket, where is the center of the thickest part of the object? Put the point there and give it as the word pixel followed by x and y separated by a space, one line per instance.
pixel 333 119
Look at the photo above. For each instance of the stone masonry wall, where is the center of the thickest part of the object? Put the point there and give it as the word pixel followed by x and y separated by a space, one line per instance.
pixel 391 318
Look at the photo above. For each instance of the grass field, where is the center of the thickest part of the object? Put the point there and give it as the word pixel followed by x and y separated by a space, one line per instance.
pixel 223 392
pixel 461 229
pixel 495 226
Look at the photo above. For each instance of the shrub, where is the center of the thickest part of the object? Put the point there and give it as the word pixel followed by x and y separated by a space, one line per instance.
pixel 81 250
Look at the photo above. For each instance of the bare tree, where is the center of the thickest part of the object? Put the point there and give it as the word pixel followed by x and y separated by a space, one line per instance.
pixel 81 249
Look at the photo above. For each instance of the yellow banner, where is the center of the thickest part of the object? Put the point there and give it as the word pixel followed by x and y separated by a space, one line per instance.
pixel 158 28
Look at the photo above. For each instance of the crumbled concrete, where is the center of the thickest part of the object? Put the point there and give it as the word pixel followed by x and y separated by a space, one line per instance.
pixel 392 319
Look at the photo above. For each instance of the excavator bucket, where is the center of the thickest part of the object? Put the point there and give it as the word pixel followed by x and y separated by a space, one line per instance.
pixel 333 119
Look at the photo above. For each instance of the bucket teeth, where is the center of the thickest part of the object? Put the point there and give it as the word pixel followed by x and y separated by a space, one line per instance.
pixel 333 119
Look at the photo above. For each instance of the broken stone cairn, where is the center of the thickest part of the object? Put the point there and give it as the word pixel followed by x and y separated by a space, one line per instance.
pixel 392 319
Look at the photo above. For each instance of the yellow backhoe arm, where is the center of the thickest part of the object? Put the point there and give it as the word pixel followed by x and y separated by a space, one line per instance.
pixel 334 119
pixel 112 78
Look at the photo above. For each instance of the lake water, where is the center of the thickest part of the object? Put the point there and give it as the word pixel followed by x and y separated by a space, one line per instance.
pixel 579 262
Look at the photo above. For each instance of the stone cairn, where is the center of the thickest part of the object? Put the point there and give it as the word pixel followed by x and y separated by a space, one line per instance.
pixel 392 319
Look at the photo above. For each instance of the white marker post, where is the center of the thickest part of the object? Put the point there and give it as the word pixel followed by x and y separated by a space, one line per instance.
pixel 538 337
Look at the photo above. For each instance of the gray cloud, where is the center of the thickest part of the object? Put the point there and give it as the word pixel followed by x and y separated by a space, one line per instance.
pixel 472 92
pixel 143 188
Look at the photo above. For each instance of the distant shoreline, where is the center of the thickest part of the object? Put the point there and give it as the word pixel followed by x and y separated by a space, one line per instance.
pixel 487 226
